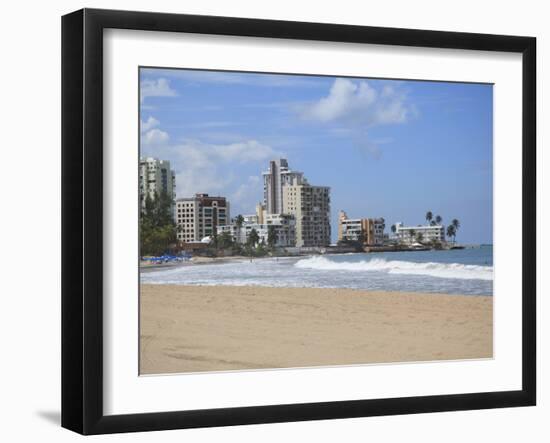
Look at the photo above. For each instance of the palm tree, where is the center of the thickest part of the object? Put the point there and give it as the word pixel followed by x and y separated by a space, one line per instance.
pixel 239 220
pixel 271 236
pixel 419 237
pixel 412 233
pixel 456 225
pixel 393 229
pixel 429 216
pixel 253 238
pixel 438 219
pixel 451 232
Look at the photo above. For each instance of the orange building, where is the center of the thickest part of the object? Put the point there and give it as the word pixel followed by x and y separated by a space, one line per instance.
pixel 370 231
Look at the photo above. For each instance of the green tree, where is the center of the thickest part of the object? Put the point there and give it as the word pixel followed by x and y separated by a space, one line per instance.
pixel 158 232
pixel 412 233
pixel 456 225
pixel 451 232
pixel 156 240
pixel 438 219
pixel 271 236
pixel 239 221
pixel 253 238
pixel 393 228
pixel 429 216
pixel 224 240
pixel 419 237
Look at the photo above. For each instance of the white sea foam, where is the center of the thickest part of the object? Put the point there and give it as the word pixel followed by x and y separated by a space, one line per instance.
pixel 439 270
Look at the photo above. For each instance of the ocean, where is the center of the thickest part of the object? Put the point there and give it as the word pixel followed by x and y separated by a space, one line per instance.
pixel 462 271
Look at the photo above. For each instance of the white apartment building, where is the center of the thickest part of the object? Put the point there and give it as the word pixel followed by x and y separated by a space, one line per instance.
pixel 199 216
pixel 155 177
pixel 278 176
pixel 285 228
pixel 310 206
pixel 284 225
pixel 409 234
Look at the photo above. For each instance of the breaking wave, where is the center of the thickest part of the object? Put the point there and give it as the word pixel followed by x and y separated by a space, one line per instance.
pixel 439 270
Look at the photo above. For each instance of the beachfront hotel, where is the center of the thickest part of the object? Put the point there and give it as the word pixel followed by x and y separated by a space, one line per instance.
pixel 410 234
pixel 199 216
pixel 155 178
pixel 283 224
pixel 368 230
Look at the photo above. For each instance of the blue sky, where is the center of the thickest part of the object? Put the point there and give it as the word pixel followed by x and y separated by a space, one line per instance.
pixel 387 148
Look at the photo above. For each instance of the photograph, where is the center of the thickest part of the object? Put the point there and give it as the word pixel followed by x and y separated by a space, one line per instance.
pixel 295 221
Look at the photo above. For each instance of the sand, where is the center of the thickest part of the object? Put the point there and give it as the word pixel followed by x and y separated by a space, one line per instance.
pixel 203 328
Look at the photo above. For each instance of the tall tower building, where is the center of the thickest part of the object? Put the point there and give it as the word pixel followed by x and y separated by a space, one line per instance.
pixel 275 179
pixel 310 206
pixel 155 177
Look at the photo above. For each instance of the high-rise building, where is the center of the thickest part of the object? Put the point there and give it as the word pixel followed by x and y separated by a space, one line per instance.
pixel 199 216
pixel 370 231
pixel 275 179
pixel 310 206
pixel 155 178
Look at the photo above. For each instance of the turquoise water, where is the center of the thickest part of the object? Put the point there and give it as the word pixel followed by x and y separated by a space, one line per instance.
pixel 467 271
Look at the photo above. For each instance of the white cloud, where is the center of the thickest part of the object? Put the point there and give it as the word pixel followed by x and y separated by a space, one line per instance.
pixel 242 152
pixel 247 194
pixel 154 137
pixel 213 168
pixel 353 107
pixel 358 103
pixel 213 124
pixel 156 88
pixel 237 78
pixel 149 124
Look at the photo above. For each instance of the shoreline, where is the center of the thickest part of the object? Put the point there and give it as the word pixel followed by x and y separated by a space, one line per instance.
pixel 216 328
pixel 145 266
pixel 199 260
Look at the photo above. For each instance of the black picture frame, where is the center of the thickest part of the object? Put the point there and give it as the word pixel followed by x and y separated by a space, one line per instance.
pixel 82 218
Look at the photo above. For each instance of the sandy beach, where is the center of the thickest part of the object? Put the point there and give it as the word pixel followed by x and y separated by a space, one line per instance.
pixel 206 328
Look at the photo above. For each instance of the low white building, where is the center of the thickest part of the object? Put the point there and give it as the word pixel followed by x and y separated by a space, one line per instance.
pixel 285 228
pixel 411 234
pixel 250 219
pixel 284 225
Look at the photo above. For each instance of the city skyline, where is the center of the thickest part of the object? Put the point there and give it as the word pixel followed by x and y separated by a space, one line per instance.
pixel 376 143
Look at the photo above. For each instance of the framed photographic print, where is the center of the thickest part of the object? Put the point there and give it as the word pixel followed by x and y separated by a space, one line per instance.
pixel 269 221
